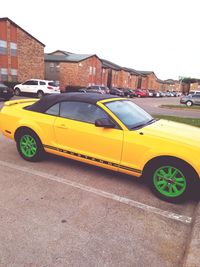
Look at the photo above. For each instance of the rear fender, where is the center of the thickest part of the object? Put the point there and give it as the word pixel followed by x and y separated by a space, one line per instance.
pixel 30 125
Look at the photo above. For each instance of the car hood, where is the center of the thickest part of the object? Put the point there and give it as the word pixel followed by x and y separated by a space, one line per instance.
pixel 174 131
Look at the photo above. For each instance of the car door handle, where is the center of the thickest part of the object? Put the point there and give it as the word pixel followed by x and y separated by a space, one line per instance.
pixel 62 126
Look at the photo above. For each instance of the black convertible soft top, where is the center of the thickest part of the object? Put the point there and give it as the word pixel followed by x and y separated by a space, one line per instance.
pixel 47 101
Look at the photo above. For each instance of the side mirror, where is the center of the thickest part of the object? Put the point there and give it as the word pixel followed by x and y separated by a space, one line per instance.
pixel 105 123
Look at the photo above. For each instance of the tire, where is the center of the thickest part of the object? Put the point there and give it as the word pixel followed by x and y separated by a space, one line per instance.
pixel 40 94
pixel 171 180
pixel 17 92
pixel 29 146
pixel 189 103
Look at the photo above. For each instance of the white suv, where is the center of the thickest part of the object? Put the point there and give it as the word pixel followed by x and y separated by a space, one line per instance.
pixel 38 87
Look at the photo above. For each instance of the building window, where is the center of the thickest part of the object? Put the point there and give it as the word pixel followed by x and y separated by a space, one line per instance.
pixel 52 66
pixel 13 49
pixel 3 47
pixel 4 74
pixel 14 75
pixel 90 70
pixel 57 67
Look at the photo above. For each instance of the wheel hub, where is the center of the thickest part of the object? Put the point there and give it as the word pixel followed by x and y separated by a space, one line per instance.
pixel 28 146
pixel 169 181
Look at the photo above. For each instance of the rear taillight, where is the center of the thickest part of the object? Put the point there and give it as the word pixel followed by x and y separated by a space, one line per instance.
pixel 50 87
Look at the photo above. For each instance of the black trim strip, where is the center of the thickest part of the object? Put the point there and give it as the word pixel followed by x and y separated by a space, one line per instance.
pixel 93 159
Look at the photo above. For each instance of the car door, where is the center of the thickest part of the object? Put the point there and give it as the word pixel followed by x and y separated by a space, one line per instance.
pixel 24 88
pixel 29 86
pixel 34 86
pixel 75 132
pixel 196 99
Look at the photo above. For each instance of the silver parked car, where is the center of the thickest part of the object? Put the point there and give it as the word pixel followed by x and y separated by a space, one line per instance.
pixel 191 99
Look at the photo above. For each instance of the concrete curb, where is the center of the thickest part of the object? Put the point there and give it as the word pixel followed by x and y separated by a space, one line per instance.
pixel 192 258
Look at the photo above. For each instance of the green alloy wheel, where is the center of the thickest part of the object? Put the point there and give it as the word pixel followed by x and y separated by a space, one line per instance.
pixel 29 145
pixel 169 181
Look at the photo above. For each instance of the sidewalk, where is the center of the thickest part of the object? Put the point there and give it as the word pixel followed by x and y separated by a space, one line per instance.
pixel 192 258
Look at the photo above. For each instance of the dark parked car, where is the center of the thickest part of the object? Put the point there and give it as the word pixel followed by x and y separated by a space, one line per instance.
pixel 98 89
pixel 116 91
pixel 129 93
pixel 5 92
pixel 190 100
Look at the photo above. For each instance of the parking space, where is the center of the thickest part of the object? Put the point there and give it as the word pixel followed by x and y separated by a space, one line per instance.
pixel 60 212
pixel 152 105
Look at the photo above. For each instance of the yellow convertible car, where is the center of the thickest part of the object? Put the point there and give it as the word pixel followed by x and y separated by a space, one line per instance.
pixel 109 132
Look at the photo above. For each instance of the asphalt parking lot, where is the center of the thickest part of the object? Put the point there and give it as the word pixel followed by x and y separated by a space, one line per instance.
pixel 151 105
pixel 61 212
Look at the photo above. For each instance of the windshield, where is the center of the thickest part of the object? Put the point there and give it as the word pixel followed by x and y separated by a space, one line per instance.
pixel 130 114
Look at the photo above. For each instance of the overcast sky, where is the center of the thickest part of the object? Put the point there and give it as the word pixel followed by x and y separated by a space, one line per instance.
pixel 155 35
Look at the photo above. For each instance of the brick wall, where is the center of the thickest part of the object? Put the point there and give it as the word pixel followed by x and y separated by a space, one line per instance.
pixel 115 78
pixel 104 76
pixel 150 82
pixel 132 83
pixel 30 57
pixel 123 79
pixel 83 73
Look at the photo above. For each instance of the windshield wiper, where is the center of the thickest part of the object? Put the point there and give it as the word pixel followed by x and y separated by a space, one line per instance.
pixel 143 124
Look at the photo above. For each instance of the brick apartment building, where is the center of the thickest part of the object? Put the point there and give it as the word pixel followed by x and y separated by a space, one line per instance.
pixel 118 76
pixel 21 54
pixel 82 70
pixel 170 85
pixel 73 69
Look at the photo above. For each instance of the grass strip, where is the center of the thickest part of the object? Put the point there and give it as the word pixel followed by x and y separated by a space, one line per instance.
pixel 180 107
pixel 189 121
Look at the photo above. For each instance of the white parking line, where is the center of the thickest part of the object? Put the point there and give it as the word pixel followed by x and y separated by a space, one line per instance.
pixel 167 214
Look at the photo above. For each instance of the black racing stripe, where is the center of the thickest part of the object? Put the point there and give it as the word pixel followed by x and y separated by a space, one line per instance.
pixel 129 169
pixel 93 159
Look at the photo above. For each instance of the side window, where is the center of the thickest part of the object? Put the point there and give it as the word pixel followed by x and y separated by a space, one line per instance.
pixel 53 110
pixel 79 111
pixel 26 83
pixel 32 82
pixel 42 83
